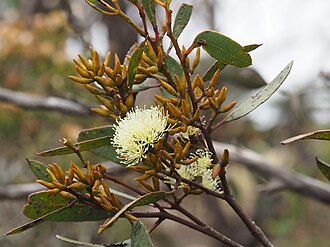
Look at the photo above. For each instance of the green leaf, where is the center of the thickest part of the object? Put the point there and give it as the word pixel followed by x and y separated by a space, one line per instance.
pixel 107 151
pixel 130 53
pixel 134 63
pixel 37 221
pixel 318 135
pixel 223 49
pixel 323 167
pixel 83 146
pixel 264 94
pixel 149 7
pixel 182 18
pixel 141 201
pixel 174 67
pixel 39 169
pixel 140 236
pixel 42 203
pixel 249 48
pixel 210 72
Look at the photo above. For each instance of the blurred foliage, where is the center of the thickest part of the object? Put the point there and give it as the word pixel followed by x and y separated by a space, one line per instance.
pixel 33 59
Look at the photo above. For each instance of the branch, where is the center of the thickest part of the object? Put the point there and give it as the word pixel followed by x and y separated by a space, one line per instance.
pixel 49 103
pixel 283 178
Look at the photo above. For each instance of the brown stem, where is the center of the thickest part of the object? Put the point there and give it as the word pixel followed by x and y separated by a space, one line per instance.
pixel 181 57
pixel 249 223
pixel 207 230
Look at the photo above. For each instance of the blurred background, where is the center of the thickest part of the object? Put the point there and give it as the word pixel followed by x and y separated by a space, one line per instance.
pixel 39 39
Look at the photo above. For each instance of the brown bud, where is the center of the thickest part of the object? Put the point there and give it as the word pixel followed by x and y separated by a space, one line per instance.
pixel 119 79
pixel 51 174
pixel 129 102
pixel 177 166
pixel 110 73
pixel 172 121
pixel 197 59
pixel 178 150
pixel 213 104
pixel 59 185
pixel 228 107
pixel 82 72
pixel 101 70
pixel 80 80
pixel 199 82
pixel 106 82
pixel 85 62
pixel 67 195
pixel 197 115
pixel 155 183
pixel 214 79
pixel 209 92
pixel 222 96
pixel 142 70
pixel 185 119
pixel 139 78
pixel 54 191
pixel 225 157
pixel 106 102
pixel 151 52
pixel 60 173
pixel 180 129
pixel 117 67
pixel 46 184
pixel 130 217
pixel 102 112
pixel 167 155
pixel 215 171
pixel 196 192
pixel 96 62
pixel 160 57
pixel 143 177
pixel 107 59
pixel 94 90
pixel 79 64
pixel 188 161
pixel 186 149
pixel 77 186
pixel 186 108
pixel 147 187
pixel 150 172
pixel 143 64
pixel 168 88
pixel 174 111
pixel 146 59
pixel 153 70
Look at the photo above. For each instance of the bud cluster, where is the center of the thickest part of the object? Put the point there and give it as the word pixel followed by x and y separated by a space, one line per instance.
pixel 75 184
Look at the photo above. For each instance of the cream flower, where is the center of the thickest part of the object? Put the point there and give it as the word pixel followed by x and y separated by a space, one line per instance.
pixel 136 133
pixel 201 168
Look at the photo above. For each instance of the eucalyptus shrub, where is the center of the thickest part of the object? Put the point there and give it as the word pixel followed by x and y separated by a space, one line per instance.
pixel 167 146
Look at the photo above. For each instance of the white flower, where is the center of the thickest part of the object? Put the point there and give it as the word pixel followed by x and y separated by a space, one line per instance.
pixel 136 133
pixel 201 168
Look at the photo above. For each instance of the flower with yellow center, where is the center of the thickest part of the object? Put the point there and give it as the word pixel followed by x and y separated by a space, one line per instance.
pixel 201 168
pixel 136 133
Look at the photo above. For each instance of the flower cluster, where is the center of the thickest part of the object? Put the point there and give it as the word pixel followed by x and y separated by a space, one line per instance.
pixel 136 133
pixel 201 168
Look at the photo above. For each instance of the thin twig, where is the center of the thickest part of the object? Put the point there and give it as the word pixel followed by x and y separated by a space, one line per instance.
pixel 207 230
